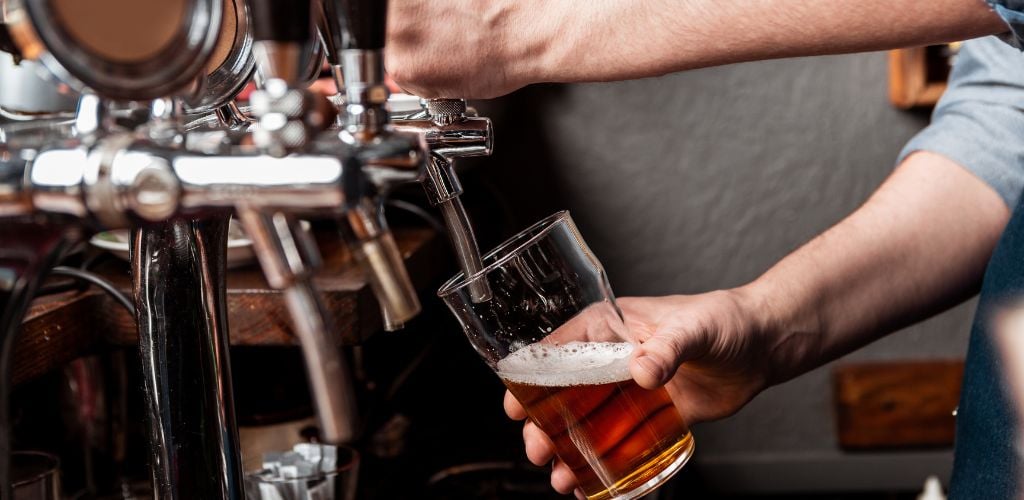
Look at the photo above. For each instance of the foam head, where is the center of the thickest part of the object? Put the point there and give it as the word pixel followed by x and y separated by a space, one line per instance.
pixel 564 365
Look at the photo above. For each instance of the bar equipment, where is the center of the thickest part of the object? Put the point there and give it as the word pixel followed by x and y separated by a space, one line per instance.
pixel 310 471
pixel 35 476
pixel 157 144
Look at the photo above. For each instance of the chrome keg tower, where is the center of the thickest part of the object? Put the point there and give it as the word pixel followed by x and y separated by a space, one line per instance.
pixel 157 144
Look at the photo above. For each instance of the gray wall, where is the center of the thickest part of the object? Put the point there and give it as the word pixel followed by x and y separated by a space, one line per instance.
pixel 702 180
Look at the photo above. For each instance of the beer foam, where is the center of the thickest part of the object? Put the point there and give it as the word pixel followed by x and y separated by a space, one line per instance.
pixel 563 365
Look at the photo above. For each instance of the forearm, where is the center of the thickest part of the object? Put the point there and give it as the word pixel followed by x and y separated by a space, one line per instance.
pixel 613 39
pixel 919 245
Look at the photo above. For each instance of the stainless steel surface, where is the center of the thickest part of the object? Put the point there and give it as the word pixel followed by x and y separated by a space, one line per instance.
pixel 374 247
pixel 178 272
pixel 26 95
pixel 222 83
pixel 91 115
pixel 41 31
pixel 365 92
pixel 285 257
pixel 231 117
pixel 451 134
pixel 446 111
pixel 460 231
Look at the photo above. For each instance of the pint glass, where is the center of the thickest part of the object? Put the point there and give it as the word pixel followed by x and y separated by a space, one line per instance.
pixel 551 331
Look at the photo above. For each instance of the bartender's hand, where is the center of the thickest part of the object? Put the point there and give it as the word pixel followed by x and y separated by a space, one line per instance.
pixel 918 246
pixel 465 48
pixel 709 350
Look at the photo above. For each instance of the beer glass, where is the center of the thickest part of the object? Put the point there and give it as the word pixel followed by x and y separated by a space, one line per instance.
pixel 552 332
pixel 35 476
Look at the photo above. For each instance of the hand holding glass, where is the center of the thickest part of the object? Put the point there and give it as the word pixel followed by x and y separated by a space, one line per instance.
pixel 552 332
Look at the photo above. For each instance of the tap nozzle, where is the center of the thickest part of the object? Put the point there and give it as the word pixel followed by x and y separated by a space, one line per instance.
pixel 375 250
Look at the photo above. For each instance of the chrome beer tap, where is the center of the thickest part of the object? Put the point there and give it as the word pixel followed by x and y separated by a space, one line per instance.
pixel 353 32
pixel 452 131
pixel 288 117
pixel 177 262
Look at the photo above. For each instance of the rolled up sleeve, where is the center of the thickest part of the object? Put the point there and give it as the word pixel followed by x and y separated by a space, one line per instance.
pixel 979 122
pixel 1012 13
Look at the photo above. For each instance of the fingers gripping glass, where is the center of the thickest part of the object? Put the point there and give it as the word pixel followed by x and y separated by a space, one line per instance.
pixel 553 334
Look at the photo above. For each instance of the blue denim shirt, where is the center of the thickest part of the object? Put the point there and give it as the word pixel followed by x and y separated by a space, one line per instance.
pixel 979 124
pixel 1012 11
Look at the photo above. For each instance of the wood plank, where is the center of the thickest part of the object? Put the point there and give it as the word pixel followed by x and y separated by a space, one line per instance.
pixel 910 85
pixel 897 404
pixel 61 327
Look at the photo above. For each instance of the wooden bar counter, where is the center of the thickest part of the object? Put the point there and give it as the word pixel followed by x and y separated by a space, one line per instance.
pixel 61 327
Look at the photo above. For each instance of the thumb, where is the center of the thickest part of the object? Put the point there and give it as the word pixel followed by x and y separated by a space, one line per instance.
pixel 656 360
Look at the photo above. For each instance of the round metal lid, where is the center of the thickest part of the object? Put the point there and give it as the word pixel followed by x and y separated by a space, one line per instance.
pixel 232 63
pixel 121 49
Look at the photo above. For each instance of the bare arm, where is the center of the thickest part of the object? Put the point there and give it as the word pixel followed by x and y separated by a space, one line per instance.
pixel 475 48
pixel 918 246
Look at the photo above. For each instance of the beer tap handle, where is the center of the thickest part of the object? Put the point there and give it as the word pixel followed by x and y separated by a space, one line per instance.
pixel 364 23
pixel 281 31
pixel 351 25
pixel 288 256
pixel 329 24
pixel 281 20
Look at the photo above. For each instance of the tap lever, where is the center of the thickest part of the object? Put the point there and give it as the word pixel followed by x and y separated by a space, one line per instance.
pixel 281 20
pixel 286 251
pixel 288 257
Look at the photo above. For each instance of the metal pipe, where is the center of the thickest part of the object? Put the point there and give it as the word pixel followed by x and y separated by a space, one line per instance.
pixel 178 272
pixel 288 259
pixel 460 231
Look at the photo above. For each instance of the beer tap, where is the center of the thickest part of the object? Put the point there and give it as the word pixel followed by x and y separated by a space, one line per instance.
pixel 287 118
pixel 451 132
pixel 353 31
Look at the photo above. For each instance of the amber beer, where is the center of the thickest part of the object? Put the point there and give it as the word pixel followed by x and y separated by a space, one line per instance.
pixel 619 439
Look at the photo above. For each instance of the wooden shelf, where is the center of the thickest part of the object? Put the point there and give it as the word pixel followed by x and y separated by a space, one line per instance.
pixel 62 327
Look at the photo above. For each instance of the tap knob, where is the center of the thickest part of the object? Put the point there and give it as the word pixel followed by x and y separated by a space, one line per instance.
pixel 364 23
pixel 446 111
pixel 281 20
pixel 281 30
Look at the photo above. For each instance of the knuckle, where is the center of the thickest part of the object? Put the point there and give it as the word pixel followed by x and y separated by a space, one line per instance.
pixel 665 345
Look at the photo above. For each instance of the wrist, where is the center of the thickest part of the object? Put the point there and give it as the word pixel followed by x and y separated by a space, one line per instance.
pixel 789 328
pixel 563 38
